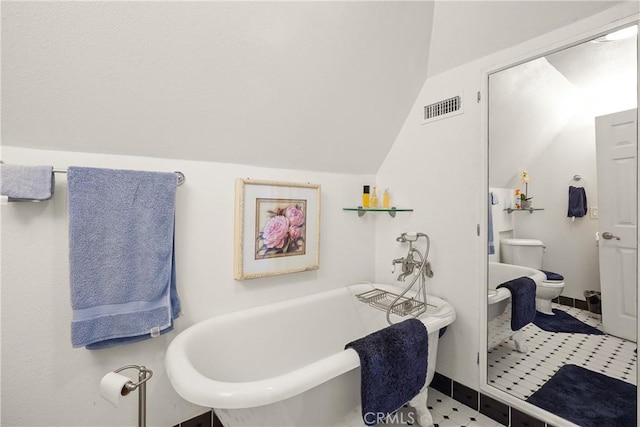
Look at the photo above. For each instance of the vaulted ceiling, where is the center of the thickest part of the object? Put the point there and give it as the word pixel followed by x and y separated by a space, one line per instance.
pixel 303 85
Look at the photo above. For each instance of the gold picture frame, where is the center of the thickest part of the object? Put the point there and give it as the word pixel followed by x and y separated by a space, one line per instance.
pixel 277 228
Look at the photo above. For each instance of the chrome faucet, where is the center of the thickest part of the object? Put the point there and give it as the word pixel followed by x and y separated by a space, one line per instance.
pixel 416 264
pixel 409 263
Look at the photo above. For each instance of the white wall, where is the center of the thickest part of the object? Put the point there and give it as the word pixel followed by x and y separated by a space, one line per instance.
pixel 46 382
pixel 435 169
pixel 439 170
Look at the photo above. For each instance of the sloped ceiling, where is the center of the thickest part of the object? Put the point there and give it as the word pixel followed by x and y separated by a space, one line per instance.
pixel 304 85
pixel 532 103
pixel 603 72
pixel 468 30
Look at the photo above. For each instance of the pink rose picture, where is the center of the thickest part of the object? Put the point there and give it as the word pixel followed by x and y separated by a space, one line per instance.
pixel 280 228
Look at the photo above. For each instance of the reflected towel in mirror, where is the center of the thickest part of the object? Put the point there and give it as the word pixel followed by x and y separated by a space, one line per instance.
pixel 577 202
pixel 523 301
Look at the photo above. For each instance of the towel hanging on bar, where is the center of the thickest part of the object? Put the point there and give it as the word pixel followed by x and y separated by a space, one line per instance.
pixel 26 183
pixel 121 253
pixel 577 202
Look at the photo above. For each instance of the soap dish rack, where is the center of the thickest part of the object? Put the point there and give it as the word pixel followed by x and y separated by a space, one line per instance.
pixel 383 300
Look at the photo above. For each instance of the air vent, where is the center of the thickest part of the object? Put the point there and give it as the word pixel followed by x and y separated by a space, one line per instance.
pixel 442 109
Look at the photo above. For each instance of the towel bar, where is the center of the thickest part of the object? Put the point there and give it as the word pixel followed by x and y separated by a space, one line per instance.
pixel 179 175
pixel 577 178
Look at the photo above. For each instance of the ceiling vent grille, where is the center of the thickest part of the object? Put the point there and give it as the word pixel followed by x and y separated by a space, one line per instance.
pixel 442 109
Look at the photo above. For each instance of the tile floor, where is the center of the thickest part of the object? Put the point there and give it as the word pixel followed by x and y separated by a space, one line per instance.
pixel 447 412
pixel 522 374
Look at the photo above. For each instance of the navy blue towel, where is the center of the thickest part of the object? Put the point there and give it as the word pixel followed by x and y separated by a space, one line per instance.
pixel 553 276
pixel 523 301
pixel 393 367
pixel 577 202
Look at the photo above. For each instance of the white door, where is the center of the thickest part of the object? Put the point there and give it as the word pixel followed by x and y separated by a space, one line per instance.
pixel 616 149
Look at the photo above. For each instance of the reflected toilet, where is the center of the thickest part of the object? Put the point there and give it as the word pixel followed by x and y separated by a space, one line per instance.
pixel 529 253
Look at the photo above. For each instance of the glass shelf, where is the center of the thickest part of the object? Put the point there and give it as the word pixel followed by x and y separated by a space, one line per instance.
pixel 391 211
pixel 530 210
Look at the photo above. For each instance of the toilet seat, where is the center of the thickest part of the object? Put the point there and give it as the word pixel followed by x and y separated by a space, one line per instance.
pixel 553 280
pixel 552 283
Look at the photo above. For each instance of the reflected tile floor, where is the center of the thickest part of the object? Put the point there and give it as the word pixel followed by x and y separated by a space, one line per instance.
pixel 522 374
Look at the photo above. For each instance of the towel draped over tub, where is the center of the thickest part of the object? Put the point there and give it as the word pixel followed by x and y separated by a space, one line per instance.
pixel 393 364
pixel 523 301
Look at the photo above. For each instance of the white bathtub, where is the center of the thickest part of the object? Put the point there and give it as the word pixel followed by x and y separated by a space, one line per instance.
pixel 285 363
pixel 499 302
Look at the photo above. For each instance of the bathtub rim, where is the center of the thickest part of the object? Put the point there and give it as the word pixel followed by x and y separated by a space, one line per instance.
pixel 196 388
pixel 503 293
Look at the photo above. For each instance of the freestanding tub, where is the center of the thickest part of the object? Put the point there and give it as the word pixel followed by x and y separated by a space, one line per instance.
pixel 499 303
pixel 285 363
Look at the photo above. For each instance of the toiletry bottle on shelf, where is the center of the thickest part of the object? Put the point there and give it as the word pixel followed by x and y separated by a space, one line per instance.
pixel 365 197
pixel 385 198
pixel 374 198
pixel 517 205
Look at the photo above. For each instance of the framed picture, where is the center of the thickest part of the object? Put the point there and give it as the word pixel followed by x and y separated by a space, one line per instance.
pixel 277 228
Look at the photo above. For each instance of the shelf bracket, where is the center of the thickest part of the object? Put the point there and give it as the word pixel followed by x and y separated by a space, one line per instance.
pixel 362 212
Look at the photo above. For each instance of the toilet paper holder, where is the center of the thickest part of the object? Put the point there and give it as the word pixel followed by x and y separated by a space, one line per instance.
pixel 144 375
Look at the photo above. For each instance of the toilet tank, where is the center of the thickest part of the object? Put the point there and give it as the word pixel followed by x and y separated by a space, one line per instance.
pixel 526 252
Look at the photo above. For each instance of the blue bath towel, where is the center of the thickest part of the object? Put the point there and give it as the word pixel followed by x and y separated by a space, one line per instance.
pixel 523 301
pixel 393 367
pixel 26 183
pixel 121 230
pixel 577 202
pixel 553 276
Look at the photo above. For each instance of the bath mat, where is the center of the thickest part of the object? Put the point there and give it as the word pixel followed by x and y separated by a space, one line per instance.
pixel 563 322
pixel 588 398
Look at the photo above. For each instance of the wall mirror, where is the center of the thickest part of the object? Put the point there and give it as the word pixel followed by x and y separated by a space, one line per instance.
pixel 562 132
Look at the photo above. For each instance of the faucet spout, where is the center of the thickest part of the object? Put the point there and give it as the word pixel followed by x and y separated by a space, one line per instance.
pixel 403 276
pixel 408 265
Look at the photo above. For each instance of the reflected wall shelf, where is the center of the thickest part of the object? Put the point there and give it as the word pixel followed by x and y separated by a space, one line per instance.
pixel 530 210
pixel 391 211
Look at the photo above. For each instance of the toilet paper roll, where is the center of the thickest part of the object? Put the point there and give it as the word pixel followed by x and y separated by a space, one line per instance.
pixel 111 387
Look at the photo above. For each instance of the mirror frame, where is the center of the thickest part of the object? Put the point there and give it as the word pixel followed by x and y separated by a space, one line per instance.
pixel 568 42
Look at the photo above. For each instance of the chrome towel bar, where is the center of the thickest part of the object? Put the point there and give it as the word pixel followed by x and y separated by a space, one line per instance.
pixel 179 175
